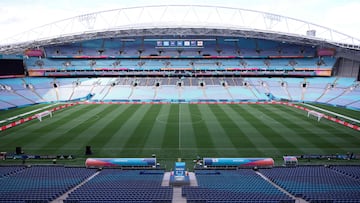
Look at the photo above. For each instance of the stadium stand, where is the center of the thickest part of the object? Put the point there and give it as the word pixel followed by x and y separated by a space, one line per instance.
pixel 242 185
pixel 114 185
pixel 8 170
pixel 204 65
pixel 39 184
pixel 70 65
pixel 332 90
pixel 316 183
pixel 352 171
pixel 311 183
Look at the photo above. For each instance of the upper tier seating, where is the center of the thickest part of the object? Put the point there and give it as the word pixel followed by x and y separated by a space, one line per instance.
pixel 168 46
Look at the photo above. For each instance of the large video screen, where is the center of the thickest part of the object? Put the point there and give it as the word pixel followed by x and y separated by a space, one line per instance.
pixel 179 43
pixel 11 68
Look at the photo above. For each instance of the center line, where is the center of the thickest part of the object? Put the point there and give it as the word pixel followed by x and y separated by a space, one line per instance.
pixel 179 126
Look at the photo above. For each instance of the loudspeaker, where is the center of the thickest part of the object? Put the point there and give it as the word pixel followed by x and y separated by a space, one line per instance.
pixel 88 150
pixel 18 150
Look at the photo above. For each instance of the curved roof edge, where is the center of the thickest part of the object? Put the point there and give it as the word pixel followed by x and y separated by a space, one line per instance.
pixel 179 19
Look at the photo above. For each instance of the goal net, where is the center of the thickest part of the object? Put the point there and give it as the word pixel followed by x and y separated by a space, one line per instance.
pixel 316 114
pixel 43 114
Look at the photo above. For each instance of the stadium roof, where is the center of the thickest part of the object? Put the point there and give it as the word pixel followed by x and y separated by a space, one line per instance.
pixel 179 20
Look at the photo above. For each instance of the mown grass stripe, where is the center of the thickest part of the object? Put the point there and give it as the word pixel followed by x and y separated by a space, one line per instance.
pixel 324 124
pixel 29 126
pixel 157 133
pixel 68 128
pixel 187 134
pixel 92 116
pixel 35 134
pixel 282 145
pixel 204 131
pixel 69 131
pixel 346 112
pixel 233 132
pixel 171 138
pixel 216 132
pixel 84 138
pixel 5 114
pixel 303 137
pixel 280 129
pixel 261 143
pixel 141 133
pixel 328 130
pixel 100 139
pixel 127 129
pixel 201 132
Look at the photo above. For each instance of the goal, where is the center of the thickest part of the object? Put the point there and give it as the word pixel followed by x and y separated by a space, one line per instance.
pixel 316 114
pixel 43 114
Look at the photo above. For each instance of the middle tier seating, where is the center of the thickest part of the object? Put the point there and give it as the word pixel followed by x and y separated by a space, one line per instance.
pixel 279 64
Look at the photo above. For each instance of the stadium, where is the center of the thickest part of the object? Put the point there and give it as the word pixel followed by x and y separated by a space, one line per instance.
pixel 180 103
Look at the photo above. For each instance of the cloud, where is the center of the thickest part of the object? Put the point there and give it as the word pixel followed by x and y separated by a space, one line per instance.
pixel 344 18
pixel 17 16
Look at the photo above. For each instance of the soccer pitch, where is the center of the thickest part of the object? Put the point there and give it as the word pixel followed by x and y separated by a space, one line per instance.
pixel 181 130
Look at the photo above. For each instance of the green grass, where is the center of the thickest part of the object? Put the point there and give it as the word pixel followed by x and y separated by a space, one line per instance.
pixel 184 131
pixel 347 112
pixel 6 114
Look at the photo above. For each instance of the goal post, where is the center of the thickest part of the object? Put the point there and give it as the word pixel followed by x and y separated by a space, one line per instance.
pixel 316 114
pixel 43 114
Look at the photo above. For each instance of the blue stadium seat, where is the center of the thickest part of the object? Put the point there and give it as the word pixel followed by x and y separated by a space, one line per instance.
pixel 316 183
pixel 242 185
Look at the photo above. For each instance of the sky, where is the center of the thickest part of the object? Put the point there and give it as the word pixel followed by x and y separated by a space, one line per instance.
pixel 17 16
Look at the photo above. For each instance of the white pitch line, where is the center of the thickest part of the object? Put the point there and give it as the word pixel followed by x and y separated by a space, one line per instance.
pixel 179 126
pixel 331 112
pixel 27 113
